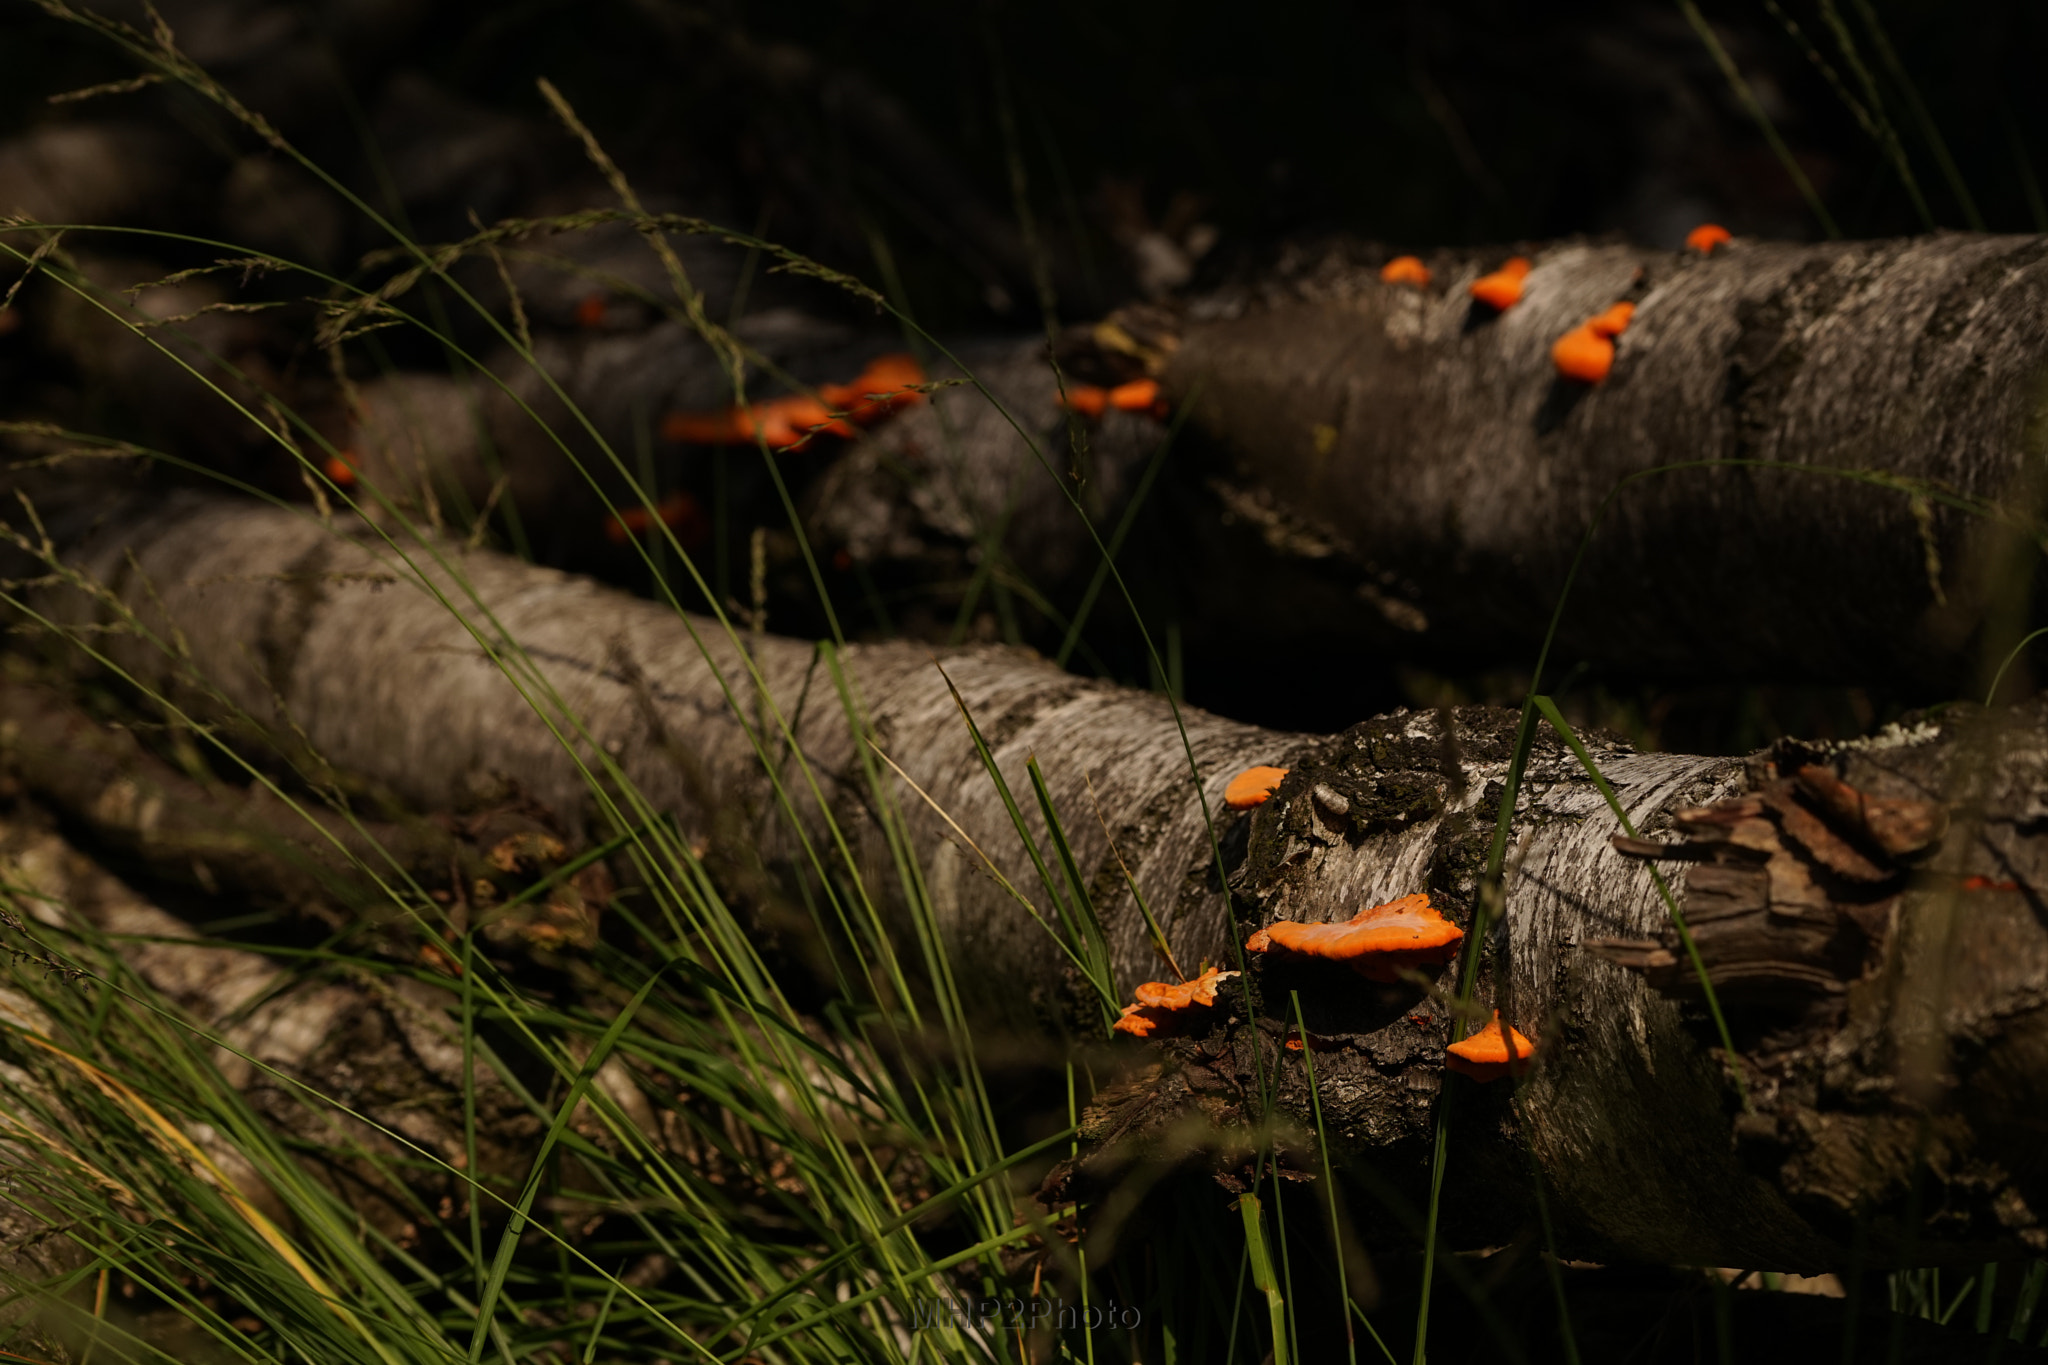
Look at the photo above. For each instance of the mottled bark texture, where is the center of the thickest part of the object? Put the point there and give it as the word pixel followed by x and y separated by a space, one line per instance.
pixel 329 644
pixel 1890 1017
pixel 188 827
pixel 1367 470
pixel 1425 450
pixel 985 472
pixel 1888 1006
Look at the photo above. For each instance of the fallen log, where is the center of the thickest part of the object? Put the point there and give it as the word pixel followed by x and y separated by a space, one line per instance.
pixel 449 668
pixel 1424 446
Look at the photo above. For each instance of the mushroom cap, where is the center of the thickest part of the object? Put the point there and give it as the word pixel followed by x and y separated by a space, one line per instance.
pixel 341 467
pixel 1137 1021
pixel 1251 787
pixel 1583 354
pixel 1090 400
pixel 1378 942
pixel 1614 321
pixel 1707 236
pixel 702 428
pixel 884 386
pixel 1136 396
pixel 1491 1053
pixel 1158 995
pixel 887 373
pixel 1405 270
pixel 1502 289
pixel 783 422
pixel 1159 1001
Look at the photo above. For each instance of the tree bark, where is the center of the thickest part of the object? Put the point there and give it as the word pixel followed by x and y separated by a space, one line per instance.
pixel 1397 469
pixel 1857 1061
pixel 1430 448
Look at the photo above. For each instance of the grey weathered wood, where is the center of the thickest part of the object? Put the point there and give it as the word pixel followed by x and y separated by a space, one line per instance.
pixel 318 636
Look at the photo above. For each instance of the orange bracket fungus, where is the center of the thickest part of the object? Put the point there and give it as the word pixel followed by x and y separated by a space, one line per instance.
pixel 341 467
pixel 1583 354
pixel 1378 943
pixel 1706 237
pixel 1140 395
pixel 1614 321
pixel 590 311
pixel 1586 352
pixel 1092 400
pixel 887 384
pixel 1491 1053
pixel 677 510
pixel 1502 289
pixel 1251 787
pixel 1158 1003
pixel 1405 270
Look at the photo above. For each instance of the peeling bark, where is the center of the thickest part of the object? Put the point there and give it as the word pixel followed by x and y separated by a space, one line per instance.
pixel 1890 1083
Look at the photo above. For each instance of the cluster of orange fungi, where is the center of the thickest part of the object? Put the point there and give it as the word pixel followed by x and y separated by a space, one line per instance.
pixel 1379 944
pixel 1585 354
pixel 1161 1006
pixel 1092 400
pixel 889 383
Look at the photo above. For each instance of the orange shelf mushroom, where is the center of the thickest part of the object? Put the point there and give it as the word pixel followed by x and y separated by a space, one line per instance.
pixel 1158 1002
pixel 1586 352
pixel 1491 1053
pixel 1140 395
pixel 888 384
pixel 1378 943
pixel 1706 237
pixel 590 310
pixel 1614 321
pixel 341 467
pixel 1092 400
pixel 1583 354
pixel 1405 270
pixel 678 510
pixel 1251 787
pixel 1502 289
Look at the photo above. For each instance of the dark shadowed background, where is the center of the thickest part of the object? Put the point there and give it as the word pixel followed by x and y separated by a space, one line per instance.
pixel 991 166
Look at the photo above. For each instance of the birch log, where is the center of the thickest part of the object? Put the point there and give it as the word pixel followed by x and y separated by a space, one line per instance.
pixel 1906 1031
pixel 1428 449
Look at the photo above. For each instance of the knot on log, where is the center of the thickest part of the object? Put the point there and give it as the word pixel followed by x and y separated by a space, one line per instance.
pixel 1793 891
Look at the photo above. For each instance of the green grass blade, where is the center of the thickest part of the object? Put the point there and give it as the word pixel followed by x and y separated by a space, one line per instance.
pixel 1263 1278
